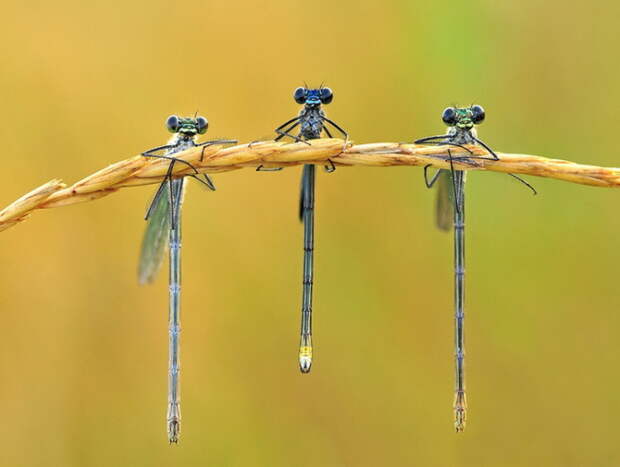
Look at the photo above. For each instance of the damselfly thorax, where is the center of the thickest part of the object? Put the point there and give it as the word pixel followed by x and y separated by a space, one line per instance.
pixel 311 122
pixel 181 142
pixel 461 135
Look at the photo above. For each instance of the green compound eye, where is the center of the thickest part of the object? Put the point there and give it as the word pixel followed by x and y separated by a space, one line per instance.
pixel 201 125
pixel 172 124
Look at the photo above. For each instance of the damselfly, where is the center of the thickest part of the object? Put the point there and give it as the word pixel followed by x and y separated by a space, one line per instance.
pixel 164 229
pixel 311 122
pixel 451 207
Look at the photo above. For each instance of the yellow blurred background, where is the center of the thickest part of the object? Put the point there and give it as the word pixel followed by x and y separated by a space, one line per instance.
pixel 83 356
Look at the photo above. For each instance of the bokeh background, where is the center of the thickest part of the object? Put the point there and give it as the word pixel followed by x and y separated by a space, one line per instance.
pixel 83 355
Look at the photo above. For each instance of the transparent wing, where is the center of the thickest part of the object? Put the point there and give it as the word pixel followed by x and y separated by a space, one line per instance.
pixel 445 201
pixel 155 237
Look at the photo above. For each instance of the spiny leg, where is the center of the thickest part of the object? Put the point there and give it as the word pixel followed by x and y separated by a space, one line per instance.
pixel 173 224
pixel 158 193
pixel 283 133
pixel 307 208
pixel 524 182
pixel 331 168
pixel 205 144
pixel 158 148
pixel 449 143
pixel 217 141
pixel 495 157
pixel 260 168
pixel 434 140
pixel 170 158
pixel 287 123
pixel 280 132
pixel 208 182
pixel 430 139
pixel 490 151
pixel 337 127
pixel 429 184
pixel 343 132
pixel 454 184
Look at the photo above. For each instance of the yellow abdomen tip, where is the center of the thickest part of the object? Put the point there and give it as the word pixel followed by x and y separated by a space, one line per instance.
pixel 305 358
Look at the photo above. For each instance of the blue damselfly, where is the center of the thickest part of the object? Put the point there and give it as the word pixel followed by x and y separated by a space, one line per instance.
pixel 312 122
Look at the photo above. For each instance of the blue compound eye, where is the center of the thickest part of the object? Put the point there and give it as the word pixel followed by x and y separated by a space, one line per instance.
pixel 449 116
pixel 477 114
pixel 172 124
pixel 201 125
pixel 326 95
pixel 300 95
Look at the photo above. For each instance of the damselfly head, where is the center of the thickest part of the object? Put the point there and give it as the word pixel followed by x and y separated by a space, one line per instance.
pixel 187 127
pixel 463 118
pixel 313 97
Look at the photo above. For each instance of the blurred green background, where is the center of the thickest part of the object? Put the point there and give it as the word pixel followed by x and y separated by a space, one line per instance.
pixel 83 356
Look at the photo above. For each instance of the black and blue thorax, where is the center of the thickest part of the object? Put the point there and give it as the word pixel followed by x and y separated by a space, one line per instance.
pixel 311 122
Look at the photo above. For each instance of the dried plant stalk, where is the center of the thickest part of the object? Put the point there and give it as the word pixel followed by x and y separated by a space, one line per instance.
pixel 140 170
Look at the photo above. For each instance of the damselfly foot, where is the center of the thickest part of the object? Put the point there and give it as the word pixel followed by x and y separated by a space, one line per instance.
pixel 261 168
pixel 331 167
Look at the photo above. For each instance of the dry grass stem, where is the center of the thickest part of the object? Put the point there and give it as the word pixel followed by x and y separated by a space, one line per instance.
pixel 140 170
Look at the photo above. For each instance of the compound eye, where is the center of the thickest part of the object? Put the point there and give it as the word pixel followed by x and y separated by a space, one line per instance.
pixel 477 114
pixel 300 95
pixel 172 124
pixel 201 125
pixel 449 116
pixel 326 95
